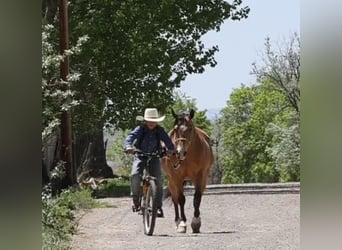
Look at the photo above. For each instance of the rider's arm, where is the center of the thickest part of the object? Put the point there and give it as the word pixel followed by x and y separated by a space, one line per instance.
pixel 134 134
pixel 166 139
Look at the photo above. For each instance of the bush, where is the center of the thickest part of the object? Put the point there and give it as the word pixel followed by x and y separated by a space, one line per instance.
pixel 265 173
pixel 58 219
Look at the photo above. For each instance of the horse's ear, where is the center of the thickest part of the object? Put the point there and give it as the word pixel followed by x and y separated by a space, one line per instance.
pixel 173 113
pixel 192 113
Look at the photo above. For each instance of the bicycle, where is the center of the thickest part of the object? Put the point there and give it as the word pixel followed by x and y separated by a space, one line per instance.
pixel 148 193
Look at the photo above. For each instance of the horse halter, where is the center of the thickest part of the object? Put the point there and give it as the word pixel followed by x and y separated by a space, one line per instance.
pixel 183 139
pixel 179 160
pixel 182 125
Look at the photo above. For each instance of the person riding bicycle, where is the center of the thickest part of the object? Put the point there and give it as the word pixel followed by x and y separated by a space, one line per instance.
pixel 147 138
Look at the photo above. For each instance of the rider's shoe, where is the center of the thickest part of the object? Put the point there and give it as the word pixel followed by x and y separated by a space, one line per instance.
pixel 160 212
pixel 136 206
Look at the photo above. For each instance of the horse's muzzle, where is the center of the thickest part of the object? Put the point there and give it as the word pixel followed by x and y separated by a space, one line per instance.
pixel 181 156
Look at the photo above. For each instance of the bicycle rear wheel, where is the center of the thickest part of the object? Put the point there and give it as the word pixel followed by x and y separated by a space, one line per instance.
pixel 150 211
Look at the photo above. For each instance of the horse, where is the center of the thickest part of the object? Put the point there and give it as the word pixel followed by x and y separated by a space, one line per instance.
pixel 191 162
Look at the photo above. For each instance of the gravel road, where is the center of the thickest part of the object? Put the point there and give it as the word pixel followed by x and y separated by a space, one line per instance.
pixel 229 221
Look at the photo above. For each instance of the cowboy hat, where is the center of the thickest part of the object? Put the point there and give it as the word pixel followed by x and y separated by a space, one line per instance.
pixel 152 115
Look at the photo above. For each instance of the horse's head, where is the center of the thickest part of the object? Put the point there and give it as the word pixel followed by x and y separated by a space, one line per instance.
pixel 182 130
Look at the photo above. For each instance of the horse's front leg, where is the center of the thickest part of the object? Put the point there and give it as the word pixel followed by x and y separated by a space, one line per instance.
pixel 177 220
pixel 182 204
pixel 182 225
pixel 196 220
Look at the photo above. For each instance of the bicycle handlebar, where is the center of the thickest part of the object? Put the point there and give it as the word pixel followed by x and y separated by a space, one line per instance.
pixel 153 154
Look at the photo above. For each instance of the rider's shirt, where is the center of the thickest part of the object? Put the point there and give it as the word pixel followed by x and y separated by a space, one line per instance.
pixel 149 142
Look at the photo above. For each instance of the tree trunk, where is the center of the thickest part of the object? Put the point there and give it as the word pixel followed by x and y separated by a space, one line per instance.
pixel 91 156
pixel 49 9
pixel 45 175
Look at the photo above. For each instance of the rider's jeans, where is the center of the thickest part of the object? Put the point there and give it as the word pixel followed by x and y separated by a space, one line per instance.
pixel 137 171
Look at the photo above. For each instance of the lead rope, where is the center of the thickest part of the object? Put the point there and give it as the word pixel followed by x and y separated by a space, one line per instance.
pixel 176 165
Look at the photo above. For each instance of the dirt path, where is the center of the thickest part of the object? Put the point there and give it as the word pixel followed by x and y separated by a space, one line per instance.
pixel 242 221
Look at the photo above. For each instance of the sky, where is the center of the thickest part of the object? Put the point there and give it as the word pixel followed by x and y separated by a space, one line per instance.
pixel 240 44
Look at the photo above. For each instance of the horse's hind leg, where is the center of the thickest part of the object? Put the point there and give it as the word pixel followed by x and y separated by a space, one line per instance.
pixel 196 220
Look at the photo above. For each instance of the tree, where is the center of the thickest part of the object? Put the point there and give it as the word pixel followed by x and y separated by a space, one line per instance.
pixel 137 53
pixel 55 99
pixel 216 138
pixel 245 139
pixel 286 149
pixel 261 122
pixel 282 67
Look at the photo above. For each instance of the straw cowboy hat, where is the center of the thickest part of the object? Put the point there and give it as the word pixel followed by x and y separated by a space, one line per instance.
pixel 152 115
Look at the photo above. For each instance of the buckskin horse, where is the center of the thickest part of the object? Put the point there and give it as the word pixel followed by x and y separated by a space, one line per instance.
pixel 192 161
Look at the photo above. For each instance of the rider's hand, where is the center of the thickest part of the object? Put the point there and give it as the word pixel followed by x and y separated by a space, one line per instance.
pixel 129 150
pixel 170 153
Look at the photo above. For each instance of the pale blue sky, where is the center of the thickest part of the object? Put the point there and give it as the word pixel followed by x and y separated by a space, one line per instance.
pixel 239 44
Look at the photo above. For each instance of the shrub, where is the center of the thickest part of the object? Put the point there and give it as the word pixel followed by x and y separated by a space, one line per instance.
pixel 58 219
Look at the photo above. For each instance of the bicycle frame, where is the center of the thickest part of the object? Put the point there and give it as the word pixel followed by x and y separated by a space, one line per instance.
pixel 148 193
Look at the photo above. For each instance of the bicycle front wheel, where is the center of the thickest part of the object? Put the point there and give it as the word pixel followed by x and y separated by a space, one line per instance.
pixel 150 211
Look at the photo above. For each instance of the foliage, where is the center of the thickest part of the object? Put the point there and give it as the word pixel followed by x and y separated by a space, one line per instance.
pixel 185 103
pixel 218 151
pixel 116 154
pixel 245 140
pixel 282 68
pixel 286 149
pixel 57 178
pixel 58 219
pixel 55 98
pixel 138 52
pixel 261 122
pixel 134 54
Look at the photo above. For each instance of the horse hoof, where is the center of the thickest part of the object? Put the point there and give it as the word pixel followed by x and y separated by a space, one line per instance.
pixel 196 224
pixel 177 223
pixel 181 228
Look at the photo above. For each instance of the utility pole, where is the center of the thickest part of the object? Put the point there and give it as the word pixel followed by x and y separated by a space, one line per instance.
pixel 66 133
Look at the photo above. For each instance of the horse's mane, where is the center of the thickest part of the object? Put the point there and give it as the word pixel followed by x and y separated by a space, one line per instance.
pixel 202 133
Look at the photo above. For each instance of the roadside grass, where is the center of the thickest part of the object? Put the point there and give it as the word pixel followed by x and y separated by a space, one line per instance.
pixel 59 213
pixel 117 187
pixel 58 216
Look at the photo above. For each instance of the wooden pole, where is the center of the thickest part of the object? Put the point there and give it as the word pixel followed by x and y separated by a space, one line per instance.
pixel 66 131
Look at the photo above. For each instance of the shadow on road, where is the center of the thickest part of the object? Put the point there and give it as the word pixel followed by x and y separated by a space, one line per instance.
pixel 194 235
pixel 219 232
